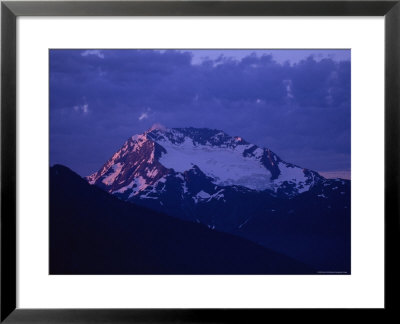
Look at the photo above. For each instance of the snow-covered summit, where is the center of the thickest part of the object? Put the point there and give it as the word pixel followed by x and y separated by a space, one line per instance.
pixel 198 136
pixel 225 183
pixel 160 153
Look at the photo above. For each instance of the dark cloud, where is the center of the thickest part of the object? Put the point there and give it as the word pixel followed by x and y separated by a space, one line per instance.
pixel 100 98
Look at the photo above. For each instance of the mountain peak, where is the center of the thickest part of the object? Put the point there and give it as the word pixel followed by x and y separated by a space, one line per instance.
pixel 225 160
pixel 198 136
pixel 188 131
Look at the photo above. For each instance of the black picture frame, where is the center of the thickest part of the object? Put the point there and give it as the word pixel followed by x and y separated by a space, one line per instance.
pixel 10 10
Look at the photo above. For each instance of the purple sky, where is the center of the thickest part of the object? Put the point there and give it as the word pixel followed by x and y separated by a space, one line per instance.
pixel 295 102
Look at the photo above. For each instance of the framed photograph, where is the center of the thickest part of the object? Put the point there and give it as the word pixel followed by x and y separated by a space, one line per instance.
pixel 198 161
pixel 194 191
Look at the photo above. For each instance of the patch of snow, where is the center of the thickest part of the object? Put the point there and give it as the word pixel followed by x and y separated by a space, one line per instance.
pixel 203 195
pixel 258 153
pixel 185 188
pixel 125 188
pixel 138 184
pixel 218 195
pixel 180 176
pixel 227 166
pixel 292 175
pixel 116 169
pixel 162 180
pixel 151 160
pixel 152 173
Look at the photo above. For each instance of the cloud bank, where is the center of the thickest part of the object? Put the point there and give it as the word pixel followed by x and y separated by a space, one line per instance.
pixel 299 110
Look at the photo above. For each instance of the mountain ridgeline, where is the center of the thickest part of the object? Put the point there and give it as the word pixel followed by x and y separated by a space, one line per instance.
pixel 240 197
pixel 206 176
pixel 92 232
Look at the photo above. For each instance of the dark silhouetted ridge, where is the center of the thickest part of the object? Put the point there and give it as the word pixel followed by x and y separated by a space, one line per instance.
pixel 93 232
